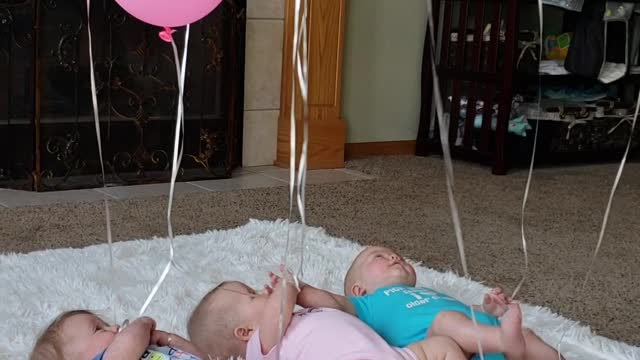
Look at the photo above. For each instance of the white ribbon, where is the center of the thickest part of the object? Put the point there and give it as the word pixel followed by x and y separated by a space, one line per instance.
pixel 527 187
pixel 96 119
pixel 297 184
pixel 177 154
pixel 303 80
pixel 448 163
pixel 177 158
pixel 446 151
pixel 614 188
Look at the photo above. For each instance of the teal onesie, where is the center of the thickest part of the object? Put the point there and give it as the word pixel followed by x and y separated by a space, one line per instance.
pixel 402 314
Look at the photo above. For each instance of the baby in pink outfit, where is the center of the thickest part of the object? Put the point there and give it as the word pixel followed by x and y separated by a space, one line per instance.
pixel 235 320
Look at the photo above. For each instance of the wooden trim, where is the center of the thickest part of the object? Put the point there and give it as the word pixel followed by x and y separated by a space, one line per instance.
pixel 360 150
pixel 327 130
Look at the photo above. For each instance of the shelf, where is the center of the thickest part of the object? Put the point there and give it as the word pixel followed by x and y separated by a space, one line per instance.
pixel 451 73
pixel 530 77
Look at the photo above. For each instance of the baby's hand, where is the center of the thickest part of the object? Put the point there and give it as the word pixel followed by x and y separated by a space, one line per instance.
pixel 163 338
pixel 275 280
pixel 132 341
pixel 143 322
pixel 160 338
pixel 147 321
pixel 278 309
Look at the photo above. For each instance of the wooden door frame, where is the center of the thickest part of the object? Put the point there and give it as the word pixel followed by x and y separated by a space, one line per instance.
pixel 327 129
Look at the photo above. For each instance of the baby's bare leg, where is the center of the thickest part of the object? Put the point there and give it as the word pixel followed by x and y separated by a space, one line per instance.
pixel 538 349
pixel 437 348
pixel 507 339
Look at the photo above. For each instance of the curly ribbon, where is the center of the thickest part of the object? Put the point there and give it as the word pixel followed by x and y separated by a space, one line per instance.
pixel 297 184
pixel 96 119
pixel 297 179
pixel 303 79
pixel 527 187
pixel 607 211
pixel 448 163
pixel 444 141
pixel 178 147
pixel 614 188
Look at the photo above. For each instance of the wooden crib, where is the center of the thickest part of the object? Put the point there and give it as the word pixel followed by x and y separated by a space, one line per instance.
pixel 476 48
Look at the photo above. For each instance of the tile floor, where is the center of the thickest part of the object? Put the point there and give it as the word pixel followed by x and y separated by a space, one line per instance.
pixel 244 178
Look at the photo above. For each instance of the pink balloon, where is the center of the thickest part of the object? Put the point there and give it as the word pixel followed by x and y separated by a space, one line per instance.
pixel 169 13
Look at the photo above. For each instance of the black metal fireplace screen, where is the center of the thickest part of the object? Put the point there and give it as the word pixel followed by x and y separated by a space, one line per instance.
pixel 47 133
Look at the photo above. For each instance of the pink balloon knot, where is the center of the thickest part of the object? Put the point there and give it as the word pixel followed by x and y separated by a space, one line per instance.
pixel 167 34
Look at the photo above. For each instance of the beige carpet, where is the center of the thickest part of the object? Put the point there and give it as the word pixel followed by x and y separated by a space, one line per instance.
pixel 406 208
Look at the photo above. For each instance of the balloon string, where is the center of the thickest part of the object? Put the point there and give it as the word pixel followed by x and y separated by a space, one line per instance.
pixel 446 151
pixel 292 167
pixel 297 183
pixel 611 195
pixel 448 163
pixel 303 63
pixel 607 211
pixel 177 157
pixel 96 119
pixel 525 199
pixel 527 187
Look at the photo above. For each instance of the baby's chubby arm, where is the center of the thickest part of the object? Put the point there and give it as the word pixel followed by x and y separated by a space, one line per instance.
pixel 312 297
pixel 163 338
pixel 132 341
pixel 270 322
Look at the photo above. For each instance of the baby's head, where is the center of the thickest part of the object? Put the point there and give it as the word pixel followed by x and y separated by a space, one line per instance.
pixel 224 320
pixel 377 267
pixel 78 334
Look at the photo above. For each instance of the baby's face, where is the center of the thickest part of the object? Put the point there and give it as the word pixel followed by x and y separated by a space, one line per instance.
pixel 379 267
pixel 84 336
pixel 249 303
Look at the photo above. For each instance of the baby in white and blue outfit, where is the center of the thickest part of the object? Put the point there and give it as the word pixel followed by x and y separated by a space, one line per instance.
pixel 82 335
pixel 160 353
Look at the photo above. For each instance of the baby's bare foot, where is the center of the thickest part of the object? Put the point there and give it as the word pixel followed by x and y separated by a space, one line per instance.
pixel 511 333
pixel 493 306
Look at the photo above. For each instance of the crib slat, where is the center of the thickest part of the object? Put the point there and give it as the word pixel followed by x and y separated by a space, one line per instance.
pixel 459 66
pixel 462 34
pixel 504 111
pixel 475 67
pixel 427 84
pixel 446 34
pixel 494 44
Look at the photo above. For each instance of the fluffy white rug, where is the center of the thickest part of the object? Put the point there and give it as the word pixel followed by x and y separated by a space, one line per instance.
pixel 38 286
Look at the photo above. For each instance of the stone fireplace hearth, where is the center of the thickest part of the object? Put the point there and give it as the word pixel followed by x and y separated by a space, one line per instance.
pixel 263 70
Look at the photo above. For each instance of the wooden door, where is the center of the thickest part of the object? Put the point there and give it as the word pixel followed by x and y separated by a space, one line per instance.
pixel 327 130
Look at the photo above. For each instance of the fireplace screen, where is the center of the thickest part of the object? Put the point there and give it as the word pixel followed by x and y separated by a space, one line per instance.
pixel 47 132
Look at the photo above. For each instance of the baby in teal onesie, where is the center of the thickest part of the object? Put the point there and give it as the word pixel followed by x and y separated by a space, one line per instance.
pixel 381 290
pixel 401 314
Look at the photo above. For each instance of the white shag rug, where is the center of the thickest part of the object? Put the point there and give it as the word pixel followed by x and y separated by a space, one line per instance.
pixel 38 286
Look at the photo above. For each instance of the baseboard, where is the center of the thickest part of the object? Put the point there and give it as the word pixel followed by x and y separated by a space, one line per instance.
pixel 360 150
pixel 326 143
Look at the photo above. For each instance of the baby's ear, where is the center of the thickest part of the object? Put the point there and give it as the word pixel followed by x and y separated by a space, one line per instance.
pixel 358 290
pixel 243 333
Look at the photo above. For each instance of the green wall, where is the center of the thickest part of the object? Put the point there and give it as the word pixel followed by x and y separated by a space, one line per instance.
pixel 381 69
pixel 382 65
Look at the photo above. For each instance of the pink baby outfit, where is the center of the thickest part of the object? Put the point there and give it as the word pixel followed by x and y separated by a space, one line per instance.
pixel 321 334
